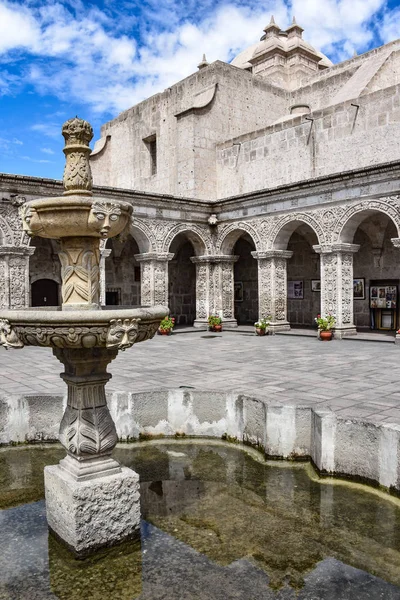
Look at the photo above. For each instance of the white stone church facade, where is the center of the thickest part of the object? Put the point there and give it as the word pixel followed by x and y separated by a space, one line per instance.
pixel 268 187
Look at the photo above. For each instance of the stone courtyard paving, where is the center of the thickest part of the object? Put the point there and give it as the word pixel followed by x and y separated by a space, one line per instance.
pixel 355 379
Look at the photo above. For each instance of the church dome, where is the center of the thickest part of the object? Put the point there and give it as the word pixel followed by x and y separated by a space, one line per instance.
pixel 274 41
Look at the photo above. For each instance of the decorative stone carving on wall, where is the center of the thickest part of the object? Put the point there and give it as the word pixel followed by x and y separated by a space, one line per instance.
pixel 143 233
pixel 389 205
pixel 201 291
pixel 18 286
pixel 347 288
pixel 202 233
pixel 6 233
pixel 226 230
pixel 302 217
pixel 3 289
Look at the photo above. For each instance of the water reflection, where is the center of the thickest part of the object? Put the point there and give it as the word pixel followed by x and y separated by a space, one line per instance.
pixel 217 524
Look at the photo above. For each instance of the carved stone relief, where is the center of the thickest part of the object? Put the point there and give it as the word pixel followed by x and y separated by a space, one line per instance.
pixel 122 333
pixel 80 270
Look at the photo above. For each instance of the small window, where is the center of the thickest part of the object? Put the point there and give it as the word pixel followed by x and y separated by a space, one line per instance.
pixel 151 143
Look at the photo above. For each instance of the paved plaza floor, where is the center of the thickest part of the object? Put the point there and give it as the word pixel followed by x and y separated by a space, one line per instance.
pixel 356 379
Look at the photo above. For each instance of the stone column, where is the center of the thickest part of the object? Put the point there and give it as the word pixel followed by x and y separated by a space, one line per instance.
pixel 215 288
pixel 272 287
pixel 14 276
pixel 104 253
pixel 154 277
pixel 337 285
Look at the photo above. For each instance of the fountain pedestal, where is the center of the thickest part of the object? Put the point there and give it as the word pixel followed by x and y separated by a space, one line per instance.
pixel 91 501
pixel 88 515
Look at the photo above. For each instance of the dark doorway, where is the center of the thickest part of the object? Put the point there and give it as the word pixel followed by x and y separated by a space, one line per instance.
pixel 45 292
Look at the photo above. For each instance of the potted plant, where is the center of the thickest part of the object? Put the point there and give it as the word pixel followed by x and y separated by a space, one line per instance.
pixel 166 326
pixel 325 326
pixel 214 323
pixel 262 326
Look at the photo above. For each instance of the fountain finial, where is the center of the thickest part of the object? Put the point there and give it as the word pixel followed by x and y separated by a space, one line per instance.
pixel 77 173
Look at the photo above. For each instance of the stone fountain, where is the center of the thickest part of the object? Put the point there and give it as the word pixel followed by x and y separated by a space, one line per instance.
pixel 91 501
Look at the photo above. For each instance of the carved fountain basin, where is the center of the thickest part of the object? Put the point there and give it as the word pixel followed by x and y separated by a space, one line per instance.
pixel 75 216
pixel 114 328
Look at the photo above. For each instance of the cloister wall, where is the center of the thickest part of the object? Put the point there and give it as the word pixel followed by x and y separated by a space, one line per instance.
pixel 353 134
pixel 187 120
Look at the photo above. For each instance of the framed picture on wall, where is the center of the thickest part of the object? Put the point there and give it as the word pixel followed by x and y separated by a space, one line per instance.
pixel 295 290
pixel 315 285
pixel 359 289
pixel 238 291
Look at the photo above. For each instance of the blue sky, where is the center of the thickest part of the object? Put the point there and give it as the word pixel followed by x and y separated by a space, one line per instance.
pixel 96 59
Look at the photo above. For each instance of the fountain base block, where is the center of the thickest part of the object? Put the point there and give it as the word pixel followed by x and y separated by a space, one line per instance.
pixel 92 514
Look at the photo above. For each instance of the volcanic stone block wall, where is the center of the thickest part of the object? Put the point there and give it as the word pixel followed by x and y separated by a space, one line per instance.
pixel 346 136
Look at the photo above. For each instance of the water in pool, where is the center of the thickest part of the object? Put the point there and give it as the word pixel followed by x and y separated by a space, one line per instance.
pixel 217 523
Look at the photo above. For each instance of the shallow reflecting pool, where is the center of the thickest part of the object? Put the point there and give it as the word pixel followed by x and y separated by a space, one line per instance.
pixel 218 523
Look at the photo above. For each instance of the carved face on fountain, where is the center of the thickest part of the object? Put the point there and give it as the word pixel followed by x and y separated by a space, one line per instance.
pixel 103 216
pixel 122 333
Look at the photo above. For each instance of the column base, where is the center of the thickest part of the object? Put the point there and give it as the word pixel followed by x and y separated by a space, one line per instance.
pixel 89 515
pixel 344 331
pixel 229 323
pixel 200 323
pixel 276 326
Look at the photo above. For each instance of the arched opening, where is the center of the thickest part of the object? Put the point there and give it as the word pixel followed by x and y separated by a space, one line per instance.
pixel 122 273
pixel 182 281
pixel 375 271
pixel 303 276
pixel 245 281
pixel 44 292
pixel 45 273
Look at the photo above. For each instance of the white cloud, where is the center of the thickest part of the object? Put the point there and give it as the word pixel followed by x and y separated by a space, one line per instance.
pixel 36 160
pixel 51 130
pixel 18 28
pixel 47 150
pixel 91 57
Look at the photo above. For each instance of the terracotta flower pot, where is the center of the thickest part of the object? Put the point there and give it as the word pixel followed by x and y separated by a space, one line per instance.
pixel 260 331
pixel 325 336
pixel 217 328
pixel 165 331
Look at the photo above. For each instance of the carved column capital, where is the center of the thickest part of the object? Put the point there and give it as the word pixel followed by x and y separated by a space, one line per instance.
pixel 396 242
pixel 154 256
pixel 332 248
pixel 272 254
pixel 17 250
pixel 215 258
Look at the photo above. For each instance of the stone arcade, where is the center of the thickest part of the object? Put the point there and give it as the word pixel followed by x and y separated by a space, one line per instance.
pixel 245 177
